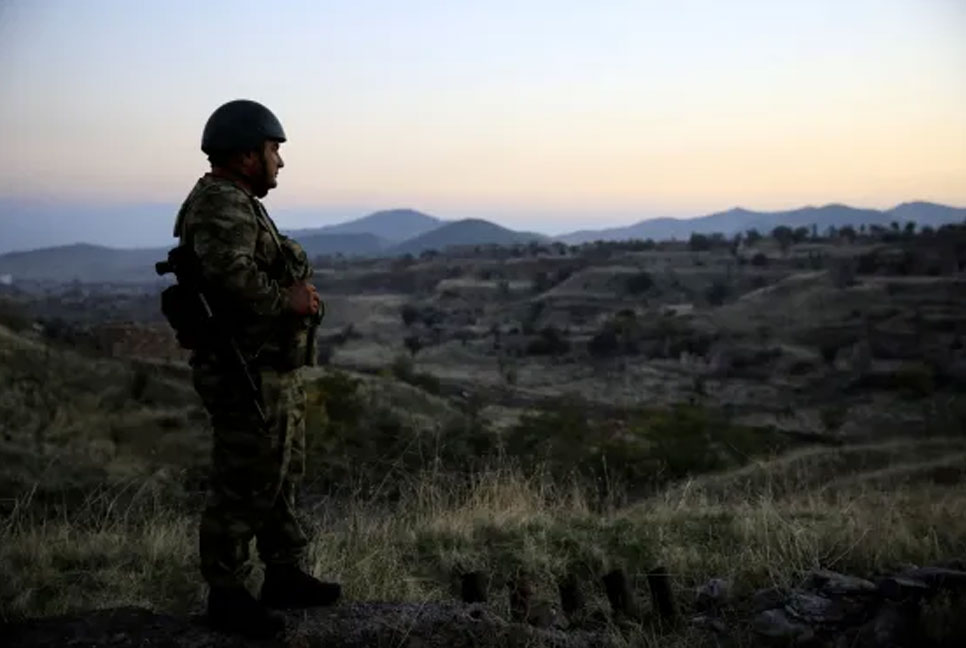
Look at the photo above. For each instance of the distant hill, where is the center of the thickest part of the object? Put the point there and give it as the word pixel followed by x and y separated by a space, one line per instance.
pixel 925 213
pixel 471 231
pixel 83 262
pixel 393 226
pixel 346 244
pixel 384 233
pixel 96 263
pixel 738 220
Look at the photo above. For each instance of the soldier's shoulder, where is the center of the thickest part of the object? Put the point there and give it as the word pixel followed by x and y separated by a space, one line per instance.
pixel 220 196
pixel 213 188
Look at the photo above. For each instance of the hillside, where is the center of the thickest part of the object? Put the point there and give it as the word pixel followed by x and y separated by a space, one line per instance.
pixel 347 244
pixel 737 220
pixel 99 264
pixel 470 231
pixel 83 262
pixel 393 226
pixel 754 416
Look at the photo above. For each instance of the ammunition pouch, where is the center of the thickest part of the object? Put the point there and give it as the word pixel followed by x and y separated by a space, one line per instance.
pixel 185 312
pixel 183 304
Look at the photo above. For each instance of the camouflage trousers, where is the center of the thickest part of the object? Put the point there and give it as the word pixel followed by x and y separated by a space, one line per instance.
pixel 255 472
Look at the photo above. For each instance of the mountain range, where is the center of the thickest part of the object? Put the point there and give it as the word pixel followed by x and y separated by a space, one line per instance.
pixel 737 220
pixel 406 231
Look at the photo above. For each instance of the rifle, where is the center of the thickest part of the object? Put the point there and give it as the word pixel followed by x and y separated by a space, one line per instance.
pixel 190 315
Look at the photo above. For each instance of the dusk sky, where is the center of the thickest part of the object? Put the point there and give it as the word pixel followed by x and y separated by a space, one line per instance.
pixel 544 115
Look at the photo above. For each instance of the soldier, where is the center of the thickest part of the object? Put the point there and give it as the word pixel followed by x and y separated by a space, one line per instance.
pixel 256 281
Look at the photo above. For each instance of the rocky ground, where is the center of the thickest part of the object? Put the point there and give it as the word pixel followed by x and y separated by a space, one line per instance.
pixel 913 608
pixel 358 625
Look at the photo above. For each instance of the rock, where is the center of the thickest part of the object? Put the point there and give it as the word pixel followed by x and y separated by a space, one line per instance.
pixel 777 627
pixel 901 587
pixel 571 597
pixel 543 614
pixel 767 599
pixel 708 622
pixel 939 577
pixel 714 594
pixel 620 594
pixel 659 582
pixel 890 627
pixel 815 609
pixel 832 583
pixel 473 586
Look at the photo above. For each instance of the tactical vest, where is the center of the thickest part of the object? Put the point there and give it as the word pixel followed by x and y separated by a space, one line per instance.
pixel 279 342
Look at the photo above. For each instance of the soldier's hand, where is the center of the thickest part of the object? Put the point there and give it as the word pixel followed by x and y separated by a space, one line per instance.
pixel 303 299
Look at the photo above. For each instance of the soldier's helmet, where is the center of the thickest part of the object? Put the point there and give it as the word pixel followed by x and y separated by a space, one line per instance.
pixel 238 126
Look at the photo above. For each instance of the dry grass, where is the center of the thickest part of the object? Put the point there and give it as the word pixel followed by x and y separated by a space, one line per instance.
pixel 142 552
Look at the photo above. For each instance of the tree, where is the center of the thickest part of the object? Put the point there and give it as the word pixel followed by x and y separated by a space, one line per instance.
pixel 784 235
pixel 413 344
pixel 800 234
pixel 542 281
pixel 699 242
pixel 910 228
pixel 717 293
pixel 736 242
pixel 752 236
pixel 848 233
pixel 639 282
pixel 409 314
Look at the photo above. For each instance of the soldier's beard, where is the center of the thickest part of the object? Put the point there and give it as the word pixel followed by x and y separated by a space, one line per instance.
pixel 263 187
pixel 263 181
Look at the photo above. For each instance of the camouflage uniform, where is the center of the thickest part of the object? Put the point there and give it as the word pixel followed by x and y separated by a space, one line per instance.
pixel 256 467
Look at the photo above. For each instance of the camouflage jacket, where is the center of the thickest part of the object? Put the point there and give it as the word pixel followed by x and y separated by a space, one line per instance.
pixel 244 270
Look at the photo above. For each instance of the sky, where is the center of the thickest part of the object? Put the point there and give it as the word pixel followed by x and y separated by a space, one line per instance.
pixel 544 115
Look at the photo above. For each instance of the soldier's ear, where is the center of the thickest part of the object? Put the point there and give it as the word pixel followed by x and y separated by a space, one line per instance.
pixel 249 159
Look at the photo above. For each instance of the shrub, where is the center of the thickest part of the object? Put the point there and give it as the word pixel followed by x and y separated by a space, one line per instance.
pixel 759 260
pixel 829 352
pixel 843 273
pixel 323 353
pixel 604 343
pixel 413 344
pixel 409 314
pixel 867 264
pixel 542 281
pixel 643 447
pixel 550 342
pixel 699 242
pixel 355 441
pixel 915 381
pixel 13 315
pixel 402 368
pixel 639 282
pixel 717 293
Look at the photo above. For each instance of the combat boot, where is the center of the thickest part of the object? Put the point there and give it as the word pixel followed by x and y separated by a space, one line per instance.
pixel 235 610
pixel 287 586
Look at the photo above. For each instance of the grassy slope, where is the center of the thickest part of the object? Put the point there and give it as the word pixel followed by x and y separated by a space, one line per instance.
pixel 124 448
pixel 144 553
